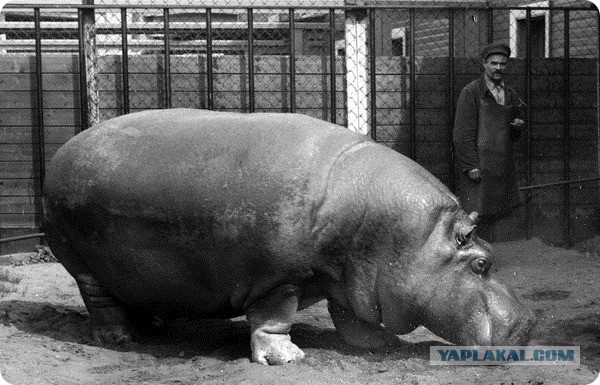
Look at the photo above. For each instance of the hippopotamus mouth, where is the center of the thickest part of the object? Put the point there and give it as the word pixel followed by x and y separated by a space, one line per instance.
pixel 521 330
pixel 517 331
pixel 494 317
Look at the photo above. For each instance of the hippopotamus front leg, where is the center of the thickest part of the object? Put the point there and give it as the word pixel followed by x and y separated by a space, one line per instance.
pixel 357 332
pixel 271 319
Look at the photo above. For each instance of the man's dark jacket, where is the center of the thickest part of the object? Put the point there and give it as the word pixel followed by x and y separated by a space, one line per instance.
pixel 466 135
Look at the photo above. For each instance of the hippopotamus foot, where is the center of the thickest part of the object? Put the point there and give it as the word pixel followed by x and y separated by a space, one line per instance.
pixel 274 349
pixel 271 319
pixel 359 333
pixel 111 323
pixel 111 334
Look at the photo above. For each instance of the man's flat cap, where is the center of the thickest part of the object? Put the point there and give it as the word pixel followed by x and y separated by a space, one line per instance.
pixel 495 48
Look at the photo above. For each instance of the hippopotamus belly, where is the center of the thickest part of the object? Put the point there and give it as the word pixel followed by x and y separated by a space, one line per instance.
pixel 190 212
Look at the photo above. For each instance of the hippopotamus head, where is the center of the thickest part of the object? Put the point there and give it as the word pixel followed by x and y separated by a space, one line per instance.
pixel 413 258
pixel 448 286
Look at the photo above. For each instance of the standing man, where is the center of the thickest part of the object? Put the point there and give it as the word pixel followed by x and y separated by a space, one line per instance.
pixel 487 121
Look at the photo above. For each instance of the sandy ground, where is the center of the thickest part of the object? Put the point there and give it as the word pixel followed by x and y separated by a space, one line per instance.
pixel 44 335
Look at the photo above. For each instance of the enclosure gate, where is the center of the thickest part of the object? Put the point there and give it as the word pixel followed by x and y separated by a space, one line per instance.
pixel 393 73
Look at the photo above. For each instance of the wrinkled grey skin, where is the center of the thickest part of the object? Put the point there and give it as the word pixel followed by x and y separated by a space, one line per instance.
pixel 207 214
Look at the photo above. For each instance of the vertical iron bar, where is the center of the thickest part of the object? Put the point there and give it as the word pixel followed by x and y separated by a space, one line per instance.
pixel 125 60
pixel 39 92
pixel 528 177
pixel 566 128
pixel 598 81
pixel 167 75
pixel 84 107
pixel 89 69
pixel 332 60
pixel 372 74
pixel 490 25
pixel 251 95
pixel 451 103
pixel 40 118
pixel 209 59
pixel 412 93
pixel 292 61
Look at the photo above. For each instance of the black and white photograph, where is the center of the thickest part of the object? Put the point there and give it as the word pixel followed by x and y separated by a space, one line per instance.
pixel 299 192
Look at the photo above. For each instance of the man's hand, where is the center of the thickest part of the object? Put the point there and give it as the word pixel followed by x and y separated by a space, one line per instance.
pixel 474 175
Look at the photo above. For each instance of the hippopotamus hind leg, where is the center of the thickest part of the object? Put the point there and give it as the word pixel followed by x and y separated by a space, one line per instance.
pixel 271 319
pixel 111 322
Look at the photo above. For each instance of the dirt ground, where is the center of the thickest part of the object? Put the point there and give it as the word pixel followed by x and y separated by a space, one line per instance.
pixel 44 335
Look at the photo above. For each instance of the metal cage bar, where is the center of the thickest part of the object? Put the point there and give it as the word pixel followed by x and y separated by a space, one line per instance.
pixel 124 61
pixel 39 96
pixel 292 22
pixel 372 75
pixel 490 25
pixel 84 108
pixel 209 61
pixel 412 91
pixel 332 59
pixel 566 129
pixel 167 59
pixel 41 151
pixel 251 96
pixel 528 196
pixel 451 101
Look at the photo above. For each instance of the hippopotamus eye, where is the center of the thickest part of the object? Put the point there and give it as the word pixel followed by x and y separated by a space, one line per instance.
pixel 480 265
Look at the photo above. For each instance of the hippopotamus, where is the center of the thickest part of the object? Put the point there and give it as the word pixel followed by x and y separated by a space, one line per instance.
pixel 192 213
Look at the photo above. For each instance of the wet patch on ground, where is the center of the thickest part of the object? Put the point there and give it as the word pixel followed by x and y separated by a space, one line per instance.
pixel 547 295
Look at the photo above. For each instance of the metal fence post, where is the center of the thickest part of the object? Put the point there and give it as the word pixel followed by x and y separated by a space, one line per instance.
pixel 566 130
pixel 292 61
pixel 124 61
pixel 251 96
pixel 209 60
pixel 88 68
pixel 39 133
pixel 357 76
pixel 167 58
pixel 412 86
pixel 528 195
pixel 451 103
pixel 372 75
pixel 598 91
pixel 490 25
pixel 332 61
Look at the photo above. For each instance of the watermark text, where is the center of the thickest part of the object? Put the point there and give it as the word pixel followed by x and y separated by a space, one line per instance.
pixel 504 355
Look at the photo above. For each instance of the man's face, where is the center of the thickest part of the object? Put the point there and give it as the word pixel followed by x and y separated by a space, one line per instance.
pixel 494 67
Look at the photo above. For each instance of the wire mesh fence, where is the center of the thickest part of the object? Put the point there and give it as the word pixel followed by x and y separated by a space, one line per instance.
pixel 393 72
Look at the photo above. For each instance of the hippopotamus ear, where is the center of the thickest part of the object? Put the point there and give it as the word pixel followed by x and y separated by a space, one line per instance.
pixel 464 235
pixel 474 216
